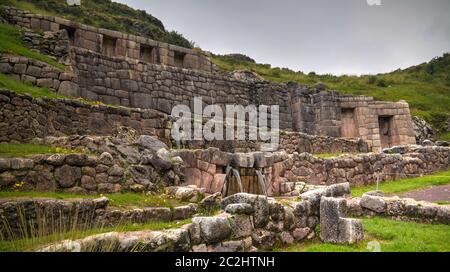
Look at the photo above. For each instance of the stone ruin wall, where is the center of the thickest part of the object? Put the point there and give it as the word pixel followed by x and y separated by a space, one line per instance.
pixel 113 43
pixel 23 118
pixel 84 214
pixel 287 174
pixel 115 77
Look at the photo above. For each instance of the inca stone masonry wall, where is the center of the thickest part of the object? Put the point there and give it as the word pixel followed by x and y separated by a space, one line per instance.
pixel 287 174
pixel 363 169
pixel 300 142
pixel 23 118
pixel 105 75
pixel 113 43
pixel 404 209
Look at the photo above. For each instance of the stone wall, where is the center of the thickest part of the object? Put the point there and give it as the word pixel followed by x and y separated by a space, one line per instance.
pixel 55 44
pixel 287 174
pixel 71 173
pixel 39 217
pixel 363 169
pixel 247 223
pixel 103 164
pixel 38 74
pixel 113 43
pixel 107 76
pixel 47 216
pixel 207 168
pixel 404 209
pixel 23 118
pixel 299 142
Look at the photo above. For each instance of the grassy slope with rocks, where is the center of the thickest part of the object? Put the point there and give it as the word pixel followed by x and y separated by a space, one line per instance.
pixel 426 87
pixel 391 235
pixel 105 14
pixel 11 43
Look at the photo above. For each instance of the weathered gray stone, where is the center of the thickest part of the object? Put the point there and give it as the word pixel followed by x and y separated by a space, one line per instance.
pixel 187 193
pixel 88 183
pixel 116 171
pixel 263 239
pixel 373 203
pixel 106 158
pixel 151 143
pixel 241 225
pixel 239 208
pixel 334 228
pixel 258 202
pixel 56 159
pixel 184 212
pixel 67 176
pixel 286 238
pixel 300 233
pixel 76 159
pixel 68 88
pixel 5 164
pixel 213 229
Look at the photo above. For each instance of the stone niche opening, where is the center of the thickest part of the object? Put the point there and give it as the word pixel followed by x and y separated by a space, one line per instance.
pixel 349 128
pixel 148 53
pixel 109 46
pixel 385 124
pixel 70 33
pixel 178 59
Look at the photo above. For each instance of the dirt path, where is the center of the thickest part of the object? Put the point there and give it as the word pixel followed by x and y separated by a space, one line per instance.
pixel 432 194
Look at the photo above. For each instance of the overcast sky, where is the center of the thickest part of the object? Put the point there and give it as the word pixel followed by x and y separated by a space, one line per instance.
pixel 325 36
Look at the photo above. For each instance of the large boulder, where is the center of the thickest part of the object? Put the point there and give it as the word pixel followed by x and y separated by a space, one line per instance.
pixel 373 203
pixel 422 129
pixel 212 229
pixel 334 228
pixel 239 208
pixel 67 176
pixel 241 225
pixel 152 143
pixel 334 190
pixel 258 202
pixel 186 193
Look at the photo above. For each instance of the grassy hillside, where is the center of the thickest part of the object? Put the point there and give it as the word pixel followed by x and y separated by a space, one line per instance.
pixel 105 14
pixel 426 87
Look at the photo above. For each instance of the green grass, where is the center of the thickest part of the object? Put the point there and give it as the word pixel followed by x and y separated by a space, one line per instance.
pixel 392 236
pixel 31 244
pixel 444 136
pixel 24 88
pixel 19 150
pixel 119 200
pixel 405 185
pixel 10 42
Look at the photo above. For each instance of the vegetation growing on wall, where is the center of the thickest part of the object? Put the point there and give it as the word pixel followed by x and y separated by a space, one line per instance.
pixel 11 43
pixel 105 14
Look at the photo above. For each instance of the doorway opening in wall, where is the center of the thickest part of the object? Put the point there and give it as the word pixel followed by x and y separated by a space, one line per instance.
pixel 70 33
pixel 148 53
pixel 109 46
pixel 178 59
pixel 349 128
pixel 385 125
